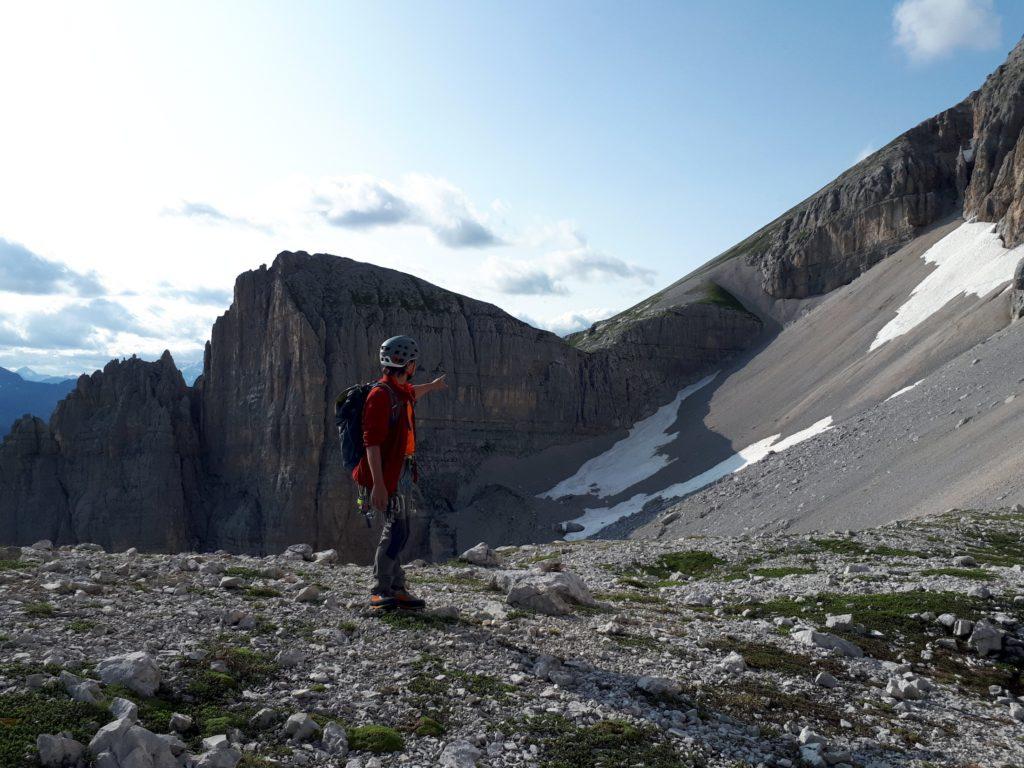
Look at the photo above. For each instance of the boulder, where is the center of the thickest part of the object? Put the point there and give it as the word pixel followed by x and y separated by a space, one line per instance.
pixel 481 555
pixel 828 641
pixel 326 556
pixel 308 594
pixel 986 638
pixel 58 751
pixel 301 726
pixel 459 754
pixel 335 740
pixel 298 552
pixel 658 686
pixel 733 663
pixel 553 594
pixel 136 671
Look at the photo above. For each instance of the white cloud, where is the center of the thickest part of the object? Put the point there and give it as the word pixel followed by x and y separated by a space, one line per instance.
pixel 576 320
pixel 361 201
pixel 930 29
pixel 25 272
pixel 209 214
pixel 546 275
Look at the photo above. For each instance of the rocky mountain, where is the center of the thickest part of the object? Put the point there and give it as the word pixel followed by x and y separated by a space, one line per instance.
pixel 248 459
pixel 877 648
pixel 19 396
pixel 29 375
pixel 869 285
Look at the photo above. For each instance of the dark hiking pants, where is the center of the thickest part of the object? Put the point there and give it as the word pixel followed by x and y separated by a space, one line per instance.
pixel 388 575
pixel 387 568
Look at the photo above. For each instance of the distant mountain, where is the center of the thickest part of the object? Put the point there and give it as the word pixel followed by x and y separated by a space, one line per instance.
pixel 18 397
pixel 28 374
pixel 191 371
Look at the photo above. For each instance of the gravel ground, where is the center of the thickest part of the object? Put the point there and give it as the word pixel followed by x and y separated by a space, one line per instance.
pixel 951 441
pixel 690 653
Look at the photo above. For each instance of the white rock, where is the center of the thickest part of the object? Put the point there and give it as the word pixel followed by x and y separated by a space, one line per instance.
pixel 335 740
pixel 58 751
pixel 733 663
pixel 327 556
pixel 481 555
pixel 658 686
pixel 308 594
pixel 963 627
pixel 232 582
pixel 844 622
pixel 980 591
pixel 298 552
pixel 825 680
pixel 829 641
pixel 124 708
pixel 179 722
pixel 965 561
pixel 228 757
pixel 301 726
pixel 1017 711
pixel 550 593
pixel 136 671
pixel 986 638
pixel 459 754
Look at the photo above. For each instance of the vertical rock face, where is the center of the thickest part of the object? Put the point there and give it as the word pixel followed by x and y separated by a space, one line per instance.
pixel 300 332
pixel 963 159
pixel 997 174
pixel 1017 293
pixel 117 465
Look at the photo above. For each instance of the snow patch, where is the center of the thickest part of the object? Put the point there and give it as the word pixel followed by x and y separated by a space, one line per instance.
pixel 594 519
pixel 970 259
pixel 903 391
pixel 633 459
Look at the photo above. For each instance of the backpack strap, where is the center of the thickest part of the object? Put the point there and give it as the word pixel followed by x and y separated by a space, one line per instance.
pixel 395 402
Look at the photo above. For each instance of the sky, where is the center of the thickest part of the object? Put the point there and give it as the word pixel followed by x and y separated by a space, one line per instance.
pixel 563 160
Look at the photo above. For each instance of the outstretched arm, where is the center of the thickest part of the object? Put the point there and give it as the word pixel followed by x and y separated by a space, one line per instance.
pixel 438 384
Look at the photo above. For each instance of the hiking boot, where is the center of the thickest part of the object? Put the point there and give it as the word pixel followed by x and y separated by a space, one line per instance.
pixel 407 601
pixel 382 602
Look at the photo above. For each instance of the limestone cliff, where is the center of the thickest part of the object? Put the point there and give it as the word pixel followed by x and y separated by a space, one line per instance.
pixel 117 464
pixel 300 332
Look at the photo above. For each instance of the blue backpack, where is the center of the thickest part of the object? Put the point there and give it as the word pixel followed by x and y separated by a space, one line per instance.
pixel 348 418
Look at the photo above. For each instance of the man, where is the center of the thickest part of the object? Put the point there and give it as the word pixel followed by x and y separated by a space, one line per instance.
pixel 387 473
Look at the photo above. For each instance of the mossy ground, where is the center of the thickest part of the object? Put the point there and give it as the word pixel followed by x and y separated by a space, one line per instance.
pixel 607 744
pixel 693 563
pixel 23 716
pixel 378 739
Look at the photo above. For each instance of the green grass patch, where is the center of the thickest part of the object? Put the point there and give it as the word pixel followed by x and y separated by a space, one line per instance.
pixel 717 295
pixel 979 574
pixel 39 610
pixel 428 726
pixel 378 739
pixel 782 570
pixel 13 565
pixel 694 563
pixel 258 592
pixel 418 620
pixel 23 716
pixel 607 744
pixel 80 626
pixel 770 658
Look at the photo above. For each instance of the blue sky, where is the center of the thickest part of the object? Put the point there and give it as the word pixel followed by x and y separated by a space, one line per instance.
pixel 562 160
